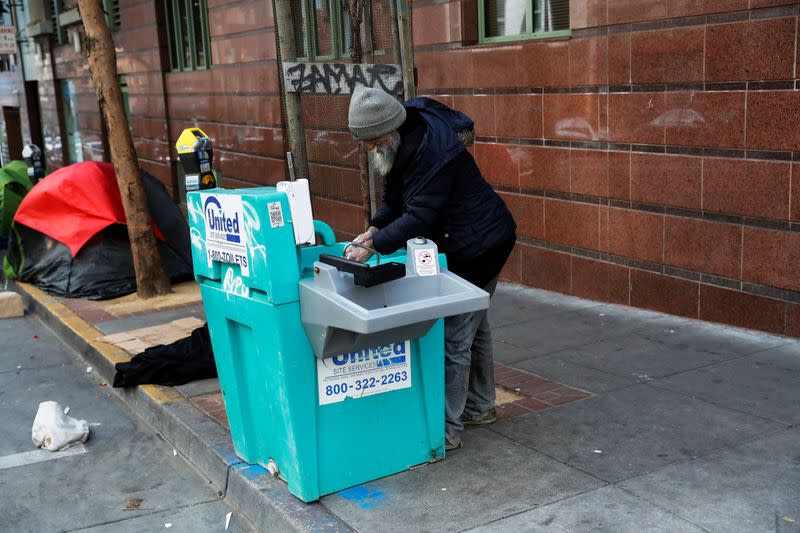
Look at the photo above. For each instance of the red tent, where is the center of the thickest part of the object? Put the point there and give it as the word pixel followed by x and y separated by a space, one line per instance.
pixel 74 203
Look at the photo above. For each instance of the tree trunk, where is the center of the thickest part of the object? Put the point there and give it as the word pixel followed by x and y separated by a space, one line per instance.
pixel 151 279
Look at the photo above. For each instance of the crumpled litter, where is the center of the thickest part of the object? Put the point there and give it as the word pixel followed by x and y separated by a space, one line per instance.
pixel 53 430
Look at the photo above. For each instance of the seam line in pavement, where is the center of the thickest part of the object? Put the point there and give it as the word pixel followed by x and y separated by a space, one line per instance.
pixel 655 469
pixel 663 387
pixel 141 515
pixel 540 452
pixel 664 509
pixel 651 380
pixel 706 454
pixel 496 520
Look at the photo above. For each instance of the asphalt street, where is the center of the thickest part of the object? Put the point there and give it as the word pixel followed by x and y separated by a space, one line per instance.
pixel 124 478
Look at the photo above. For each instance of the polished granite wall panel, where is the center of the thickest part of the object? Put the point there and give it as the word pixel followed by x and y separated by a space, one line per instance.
pixel 517 115
pixel 750 50
pixel 667 56
pixel 572 224
pixel 546 169
pixel 703 246
pixel 589 60
pixel 528 212
pixel 589 172
pixel 587 13
pixel 758 189
pixel 443 24
pixel 741 309
pixel 635 234
pixel 771 257
pixel 481 108
pixel 499 163
pixel 773 120
pixel 669 123
pixel 637 117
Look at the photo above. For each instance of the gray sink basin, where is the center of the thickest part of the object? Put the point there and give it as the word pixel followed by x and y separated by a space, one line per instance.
pixel 340 317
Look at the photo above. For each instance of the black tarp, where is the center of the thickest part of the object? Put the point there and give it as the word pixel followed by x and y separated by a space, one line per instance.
pixel 103 268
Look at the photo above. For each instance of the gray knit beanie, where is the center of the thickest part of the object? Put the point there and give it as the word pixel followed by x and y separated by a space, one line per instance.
pixel 373 113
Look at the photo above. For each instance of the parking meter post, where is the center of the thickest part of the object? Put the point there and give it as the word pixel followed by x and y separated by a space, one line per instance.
pixel 196 154
pixel 32 155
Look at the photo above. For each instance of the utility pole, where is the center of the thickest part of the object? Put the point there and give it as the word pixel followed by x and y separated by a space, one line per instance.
pixel 151 278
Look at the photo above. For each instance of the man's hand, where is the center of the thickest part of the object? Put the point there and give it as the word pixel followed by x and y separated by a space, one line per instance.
pixel 366 236
pixel 356 253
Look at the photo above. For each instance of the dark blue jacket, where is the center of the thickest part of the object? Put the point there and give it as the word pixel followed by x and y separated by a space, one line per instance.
pixel 444 196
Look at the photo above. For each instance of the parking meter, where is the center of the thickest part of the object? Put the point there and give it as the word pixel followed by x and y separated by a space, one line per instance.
pixel 195 151
pixel 32 155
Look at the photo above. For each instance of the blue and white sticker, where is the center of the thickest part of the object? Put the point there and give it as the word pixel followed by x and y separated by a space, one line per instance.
pixel 192 182
pixel 226 240
pixel 364 373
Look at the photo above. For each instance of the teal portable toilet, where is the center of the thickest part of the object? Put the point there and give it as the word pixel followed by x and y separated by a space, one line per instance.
pixel 332 371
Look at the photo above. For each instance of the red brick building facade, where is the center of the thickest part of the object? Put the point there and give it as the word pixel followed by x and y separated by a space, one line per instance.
pixel 651 154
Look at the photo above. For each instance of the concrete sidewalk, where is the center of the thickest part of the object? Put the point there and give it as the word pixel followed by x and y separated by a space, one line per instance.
pixel 613 419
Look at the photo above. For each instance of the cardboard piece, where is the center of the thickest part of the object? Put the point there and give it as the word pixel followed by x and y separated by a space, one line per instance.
pixel 138 340
pixel 11 305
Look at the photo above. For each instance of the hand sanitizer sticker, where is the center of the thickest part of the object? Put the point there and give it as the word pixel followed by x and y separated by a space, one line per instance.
pixel 426 262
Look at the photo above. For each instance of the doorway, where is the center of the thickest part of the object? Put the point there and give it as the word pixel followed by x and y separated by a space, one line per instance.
pixel 13 128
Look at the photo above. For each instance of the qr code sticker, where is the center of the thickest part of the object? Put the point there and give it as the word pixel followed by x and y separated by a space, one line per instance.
pixel 275 215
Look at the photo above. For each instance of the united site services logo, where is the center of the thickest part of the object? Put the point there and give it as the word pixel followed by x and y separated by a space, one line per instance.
pixel 224 226
pixel 382 355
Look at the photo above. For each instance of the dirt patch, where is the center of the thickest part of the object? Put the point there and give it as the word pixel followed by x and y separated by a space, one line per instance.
pixel 504 395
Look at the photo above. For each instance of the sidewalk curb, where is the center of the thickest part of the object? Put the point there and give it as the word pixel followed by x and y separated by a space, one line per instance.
pixel 264 500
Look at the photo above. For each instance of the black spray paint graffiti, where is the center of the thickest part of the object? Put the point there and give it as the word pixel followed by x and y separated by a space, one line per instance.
pixel 340 78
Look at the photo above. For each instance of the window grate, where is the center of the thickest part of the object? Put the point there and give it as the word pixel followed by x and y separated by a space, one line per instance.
pixel 113 18
pixel 58 31
pixel 322 29
pixel 188 36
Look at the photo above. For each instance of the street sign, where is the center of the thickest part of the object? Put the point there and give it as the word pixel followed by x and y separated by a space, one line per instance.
pixel 8 40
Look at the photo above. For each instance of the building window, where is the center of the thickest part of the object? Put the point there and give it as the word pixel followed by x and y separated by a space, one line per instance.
pixel 512 20
pixel 58 32
pixel 70 109
pixel 187 26
pixel 322 30
pixel 8 63
pixel 111 8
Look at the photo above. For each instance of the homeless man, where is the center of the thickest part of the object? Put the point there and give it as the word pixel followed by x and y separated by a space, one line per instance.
pixel 433 188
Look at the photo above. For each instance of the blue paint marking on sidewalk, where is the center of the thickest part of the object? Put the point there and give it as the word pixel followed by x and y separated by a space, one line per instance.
pixel 365 497
pixel 251 471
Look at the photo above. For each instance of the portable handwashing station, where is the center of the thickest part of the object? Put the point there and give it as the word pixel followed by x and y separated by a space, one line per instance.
pixel 332 371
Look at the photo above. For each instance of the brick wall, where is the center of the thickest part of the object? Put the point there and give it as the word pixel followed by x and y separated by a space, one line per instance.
pixel 141 61
pixel 237 102
pixel 651 159
pixel 71 65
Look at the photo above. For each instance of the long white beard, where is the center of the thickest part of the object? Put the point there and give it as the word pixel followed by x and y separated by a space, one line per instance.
pixel 382 156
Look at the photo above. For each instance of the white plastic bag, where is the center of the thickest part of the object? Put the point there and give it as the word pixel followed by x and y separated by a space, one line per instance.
pixel 54 431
